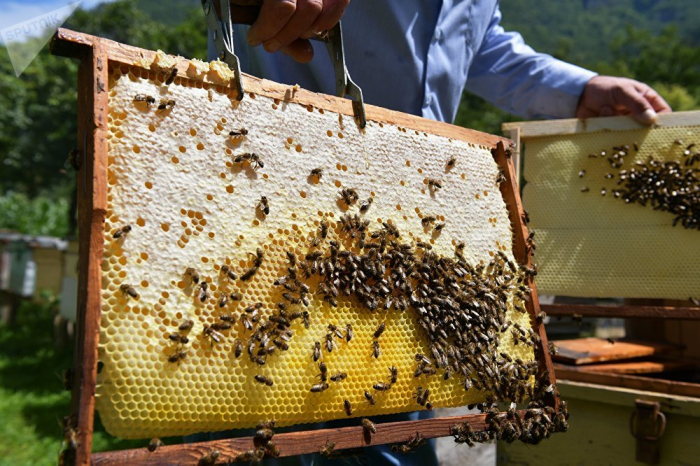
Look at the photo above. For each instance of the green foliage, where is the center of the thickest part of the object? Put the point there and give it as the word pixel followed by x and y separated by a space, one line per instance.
pixel 40 215
pixel 32 399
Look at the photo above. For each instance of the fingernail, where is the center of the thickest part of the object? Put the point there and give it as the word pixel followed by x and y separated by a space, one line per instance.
pixel 649 116
pixel 309 34
pixel 272 46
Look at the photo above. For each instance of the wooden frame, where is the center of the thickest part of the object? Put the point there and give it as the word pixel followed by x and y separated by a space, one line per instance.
pixel 96 56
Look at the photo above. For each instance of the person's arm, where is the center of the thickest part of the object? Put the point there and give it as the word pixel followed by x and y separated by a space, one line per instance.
pixel 286 25
pixel 511 75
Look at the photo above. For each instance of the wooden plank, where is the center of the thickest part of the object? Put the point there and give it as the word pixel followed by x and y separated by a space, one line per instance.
pixel 92 207
pixel 293 443
pixel 625 311
pixel 531 129
pixel 628 381
pixel 70 43
pixel 651 366
pixel 511 196
pixel 587 350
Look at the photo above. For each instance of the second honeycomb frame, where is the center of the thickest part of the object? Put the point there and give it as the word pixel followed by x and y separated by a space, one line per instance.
pixel 96 55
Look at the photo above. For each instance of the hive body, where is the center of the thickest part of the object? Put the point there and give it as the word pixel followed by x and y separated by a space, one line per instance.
pixel 172 177
pixel 619 249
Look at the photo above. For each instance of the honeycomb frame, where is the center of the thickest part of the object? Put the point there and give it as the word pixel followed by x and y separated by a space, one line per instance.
pixel 343 107
pixel 604 233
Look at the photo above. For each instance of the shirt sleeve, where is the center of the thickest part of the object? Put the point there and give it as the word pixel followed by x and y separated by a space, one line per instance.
pixel 511 75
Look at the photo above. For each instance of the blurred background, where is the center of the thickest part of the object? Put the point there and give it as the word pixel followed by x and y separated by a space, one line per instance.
pixel 654 41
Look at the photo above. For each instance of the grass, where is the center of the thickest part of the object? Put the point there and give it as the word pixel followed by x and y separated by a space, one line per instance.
pixel 32 399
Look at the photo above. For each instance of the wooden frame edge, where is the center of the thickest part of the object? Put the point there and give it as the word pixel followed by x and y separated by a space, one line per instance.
pixel 72 44
pixel 623 311
pixel 531 129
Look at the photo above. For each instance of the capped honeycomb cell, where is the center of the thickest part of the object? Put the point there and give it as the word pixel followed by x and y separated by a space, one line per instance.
pixel 217 312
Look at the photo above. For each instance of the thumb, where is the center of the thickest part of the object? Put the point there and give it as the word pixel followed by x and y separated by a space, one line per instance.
pixel 638 105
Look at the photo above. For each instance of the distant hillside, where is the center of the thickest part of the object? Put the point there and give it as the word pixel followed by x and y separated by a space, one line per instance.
pixel 582 30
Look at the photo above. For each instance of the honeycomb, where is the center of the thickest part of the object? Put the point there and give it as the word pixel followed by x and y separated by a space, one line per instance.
pixel 174 180
pixel 590 245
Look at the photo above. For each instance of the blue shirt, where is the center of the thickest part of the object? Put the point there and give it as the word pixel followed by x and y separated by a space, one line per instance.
pixel 417 56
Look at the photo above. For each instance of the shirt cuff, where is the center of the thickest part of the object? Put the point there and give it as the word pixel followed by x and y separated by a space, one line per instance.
pixel 560 91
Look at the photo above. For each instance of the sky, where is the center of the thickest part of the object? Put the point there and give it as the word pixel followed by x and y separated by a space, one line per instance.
pixel 13 11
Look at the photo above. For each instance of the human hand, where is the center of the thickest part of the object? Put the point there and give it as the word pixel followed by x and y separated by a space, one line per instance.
pixel 286 25
pixel 608 96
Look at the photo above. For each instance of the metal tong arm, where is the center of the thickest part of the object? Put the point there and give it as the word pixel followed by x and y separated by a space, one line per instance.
pixel 220 20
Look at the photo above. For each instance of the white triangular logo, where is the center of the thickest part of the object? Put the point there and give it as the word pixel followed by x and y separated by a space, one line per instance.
pixel 25 40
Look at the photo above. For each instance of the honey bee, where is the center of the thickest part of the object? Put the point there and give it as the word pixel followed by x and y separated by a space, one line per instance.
pixel 329 342
pixel 203 293
pixel 348 333
pixel 149 100
pixel 164 104
pixel 317 172
pixel 370 398
pixel 122 232
pixel 317 351
pixel 438 227
pixel 434 185
pixel 186 325
pixel 369 426
pixel 348 407
pixel 154 444
pixel 451 163
pixel 226 270
pixel 265 434
pixel 238 348
pixel 422 395
pixel 349 196
pixel 380 330
pixel 212 333
pixel 339 376
pixel 264 380
pixel 270 424
pixel 129 290
pixel 223 300
pixel 427 221
pixel 394 372
pixel 177 338
pixel 500 178
pixel 171 78
pixel 328 449
pixel 178 356
pixel 235 296
pixel 364 207
pixel 377 351
pixel 324 371
pixel 319 387
pixel 253 159
pixel 263 205
pixel 582 173
pixel 411 444
pixel 209 459
pixel 238 133
pixel 585 189
pixel 381 386
pixel 193 274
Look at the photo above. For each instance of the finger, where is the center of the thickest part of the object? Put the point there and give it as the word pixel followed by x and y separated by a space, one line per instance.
pixel 657 102
pixel 304 16
pixel 274 15
pixel 635 102
pixel 330 16
pixel 585 112
pixel 606 111
pixel 301 50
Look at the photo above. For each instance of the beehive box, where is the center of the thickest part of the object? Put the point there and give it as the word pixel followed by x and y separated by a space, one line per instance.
pixel 591 242
pixel 182 200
